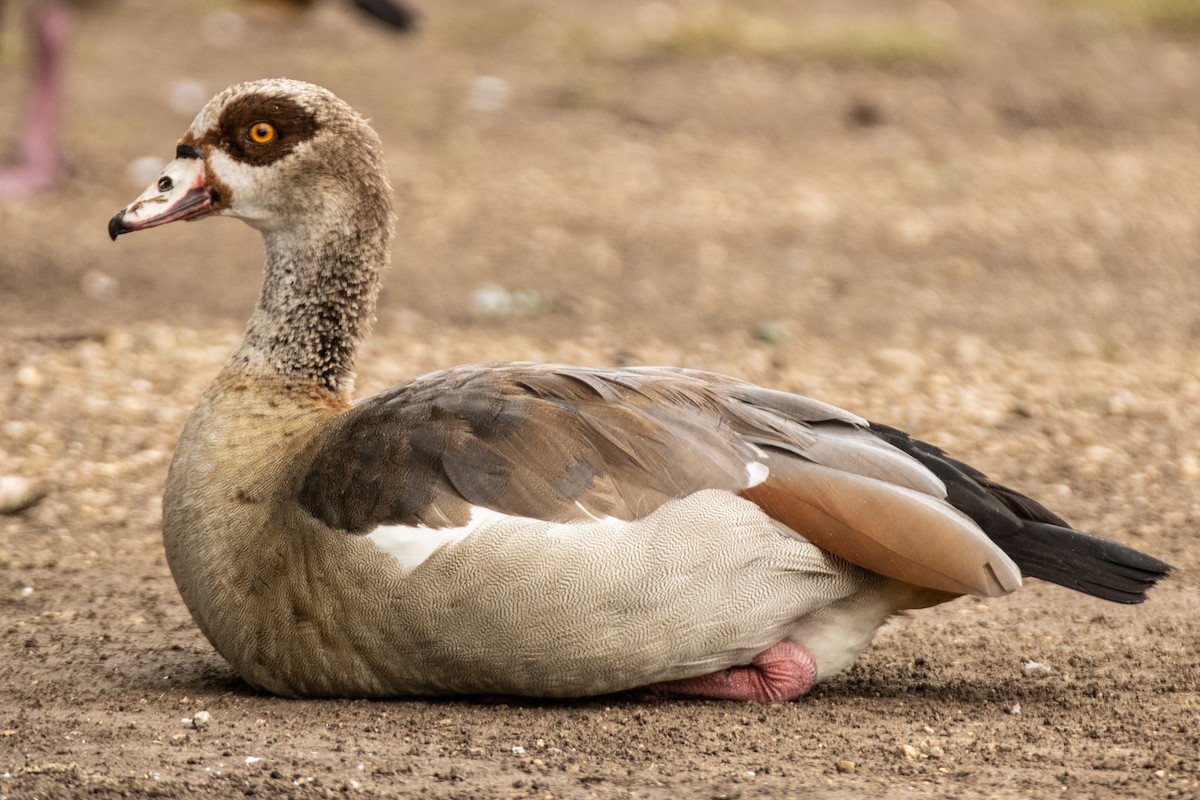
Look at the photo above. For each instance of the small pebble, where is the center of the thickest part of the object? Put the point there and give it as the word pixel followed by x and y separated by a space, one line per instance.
pixel 17 493
pixel 489 93
pixel 28 377
pixel 1035 668
pixel 201 720
pixel 491 300
pixel 1189 467
pixel 1122 403
pixel 771 332
pixel 99 286
pixel 910 752
pixel 1015 709
pixel 846 767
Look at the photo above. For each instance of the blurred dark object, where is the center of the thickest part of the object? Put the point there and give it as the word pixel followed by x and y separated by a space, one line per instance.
pixel 389 12
pixel 392 13
pixel 864 114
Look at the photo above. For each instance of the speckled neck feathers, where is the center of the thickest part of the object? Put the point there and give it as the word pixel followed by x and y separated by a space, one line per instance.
pixel 317 301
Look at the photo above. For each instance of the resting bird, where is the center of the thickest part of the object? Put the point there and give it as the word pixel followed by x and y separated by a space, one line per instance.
pixel 528 529
pixel 38 164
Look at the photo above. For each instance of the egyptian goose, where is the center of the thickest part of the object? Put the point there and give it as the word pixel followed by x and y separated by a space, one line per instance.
pixel 532 529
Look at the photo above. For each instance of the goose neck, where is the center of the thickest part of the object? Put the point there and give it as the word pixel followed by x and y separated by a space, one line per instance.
pixel 317 303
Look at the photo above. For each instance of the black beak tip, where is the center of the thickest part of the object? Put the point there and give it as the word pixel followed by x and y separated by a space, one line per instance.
pixel 116 225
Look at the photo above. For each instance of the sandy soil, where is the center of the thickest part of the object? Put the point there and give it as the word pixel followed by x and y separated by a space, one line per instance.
pixel 991 243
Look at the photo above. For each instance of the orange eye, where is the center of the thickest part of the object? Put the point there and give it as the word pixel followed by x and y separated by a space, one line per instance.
pixel 261 132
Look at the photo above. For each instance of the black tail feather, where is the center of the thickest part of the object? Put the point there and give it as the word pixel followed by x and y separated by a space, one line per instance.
pixel 1040 542
pixel 1086 563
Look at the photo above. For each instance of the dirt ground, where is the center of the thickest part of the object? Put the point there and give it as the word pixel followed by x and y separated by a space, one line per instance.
pixel 977 221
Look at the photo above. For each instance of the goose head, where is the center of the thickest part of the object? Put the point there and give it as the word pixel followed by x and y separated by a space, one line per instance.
pixel 278 154
pixel 305 169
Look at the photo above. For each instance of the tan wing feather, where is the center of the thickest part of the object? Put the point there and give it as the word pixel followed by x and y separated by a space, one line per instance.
pixel 886 528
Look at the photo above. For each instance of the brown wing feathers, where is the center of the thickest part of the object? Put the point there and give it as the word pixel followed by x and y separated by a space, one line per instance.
pixel 564 443
pixel 535 442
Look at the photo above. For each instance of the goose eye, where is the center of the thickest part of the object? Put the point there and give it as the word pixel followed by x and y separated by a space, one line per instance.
pixel 261 132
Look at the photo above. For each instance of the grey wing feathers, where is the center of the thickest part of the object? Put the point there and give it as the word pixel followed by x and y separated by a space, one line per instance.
pixel 538 441
pixel 561 443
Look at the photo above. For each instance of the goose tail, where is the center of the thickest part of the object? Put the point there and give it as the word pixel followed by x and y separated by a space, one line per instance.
pixel 1084 562
pixel 1039 542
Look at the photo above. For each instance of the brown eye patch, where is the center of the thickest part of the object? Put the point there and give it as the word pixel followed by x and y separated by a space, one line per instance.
pixel 260 129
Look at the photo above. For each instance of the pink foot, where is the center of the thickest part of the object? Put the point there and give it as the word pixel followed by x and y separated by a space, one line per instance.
pixel 780 673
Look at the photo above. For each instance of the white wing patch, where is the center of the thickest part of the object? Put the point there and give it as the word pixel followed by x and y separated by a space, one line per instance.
pixel 412 544
pixel 594 517
pixel 756 473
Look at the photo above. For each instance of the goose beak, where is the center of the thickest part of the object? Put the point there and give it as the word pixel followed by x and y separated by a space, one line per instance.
pixel 179 192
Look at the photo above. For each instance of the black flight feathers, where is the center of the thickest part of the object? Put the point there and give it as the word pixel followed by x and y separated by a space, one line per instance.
pixel 1040 542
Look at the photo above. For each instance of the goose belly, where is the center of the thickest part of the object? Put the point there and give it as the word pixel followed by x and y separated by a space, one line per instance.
pixel 836 633
pixel 568 609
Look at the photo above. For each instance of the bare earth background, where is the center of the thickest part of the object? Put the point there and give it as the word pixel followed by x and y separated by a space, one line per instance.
pixel 978 221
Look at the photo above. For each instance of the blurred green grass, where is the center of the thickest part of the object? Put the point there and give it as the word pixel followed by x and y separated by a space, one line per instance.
pixel 874 42
pixel 1178 17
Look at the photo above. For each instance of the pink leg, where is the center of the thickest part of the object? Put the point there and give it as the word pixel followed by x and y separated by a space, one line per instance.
pixel 38 168
pixel 780 673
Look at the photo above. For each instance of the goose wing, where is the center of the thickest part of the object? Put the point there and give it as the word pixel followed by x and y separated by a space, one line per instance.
pixel 562 443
